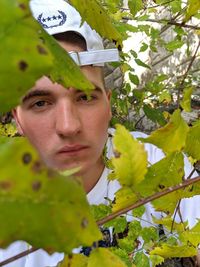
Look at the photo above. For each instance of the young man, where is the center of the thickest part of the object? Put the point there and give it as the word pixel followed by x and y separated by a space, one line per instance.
pixel 68 129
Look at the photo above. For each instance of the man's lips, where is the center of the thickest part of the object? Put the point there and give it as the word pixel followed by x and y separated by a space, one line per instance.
pixel 70 149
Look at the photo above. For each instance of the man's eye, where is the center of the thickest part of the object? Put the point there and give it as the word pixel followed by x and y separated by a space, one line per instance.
pixel 41 103
pixel 87 98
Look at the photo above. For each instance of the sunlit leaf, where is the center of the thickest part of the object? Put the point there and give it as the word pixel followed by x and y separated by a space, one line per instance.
pixel 24 61
pixel 75 260
pixel 123 198
pixel 97 18
pixel 135 6
pixel 7 130
pixel 192 9
pixel 167 251
pixel 172 136
pixel 100 211
pixel 131 164
pixel 102 257
pixel 192 147
pixel 119 224
pixel 156 260
pixel 170 224
pixel 36 202
pixel 186 102
pixel 138 212
pixel 158 179
pixel 192 235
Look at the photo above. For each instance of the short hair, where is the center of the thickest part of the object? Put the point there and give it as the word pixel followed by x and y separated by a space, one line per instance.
pixel 72 38
pixel 75 38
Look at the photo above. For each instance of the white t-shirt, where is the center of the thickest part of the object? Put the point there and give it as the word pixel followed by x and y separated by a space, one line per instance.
pixel 103 188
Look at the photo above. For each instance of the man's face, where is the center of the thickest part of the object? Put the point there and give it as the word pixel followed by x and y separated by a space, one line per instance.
pixel 66 128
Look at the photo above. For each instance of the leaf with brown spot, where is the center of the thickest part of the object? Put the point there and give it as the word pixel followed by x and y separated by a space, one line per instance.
pixel 29 198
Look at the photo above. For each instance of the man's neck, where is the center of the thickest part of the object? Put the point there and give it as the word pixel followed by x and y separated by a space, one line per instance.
pixel 92 176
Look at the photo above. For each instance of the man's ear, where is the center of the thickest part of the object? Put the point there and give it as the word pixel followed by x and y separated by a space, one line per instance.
pixel 15 114
pixel 109 95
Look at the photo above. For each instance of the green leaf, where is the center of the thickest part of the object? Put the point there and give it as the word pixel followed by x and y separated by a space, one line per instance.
pixel 123 255
pixel 134 79
pixel 172 136
pixel 75 260
pixel 167 251
pixel 141 63
pixel 102 257
pixel 149 234
pixel 186 102
pixel 119 224
pixel 173 45
pixel 138 212
pixel 154 114
pixel 144 47
pixel 31 196
pixel 193 141
pixel 141 260
pixel 131 165
pixel 192 235
pixel 26 61
pixel 135 6
pixel 175 5
pixel 100 211
pixel 102 23
pixel 158 179
pixel 192 9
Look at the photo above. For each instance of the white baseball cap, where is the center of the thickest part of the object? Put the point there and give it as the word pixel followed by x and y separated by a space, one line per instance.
pixel 57 16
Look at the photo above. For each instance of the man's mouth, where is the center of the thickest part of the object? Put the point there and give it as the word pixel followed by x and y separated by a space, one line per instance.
pixel 72 149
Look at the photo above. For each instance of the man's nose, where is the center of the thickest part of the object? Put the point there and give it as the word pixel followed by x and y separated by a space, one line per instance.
pixel 68 121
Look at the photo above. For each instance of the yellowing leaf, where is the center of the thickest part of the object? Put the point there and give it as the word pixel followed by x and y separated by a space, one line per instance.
pixel 167 251
pixel 39 206
pixel 96 16
pixel 102 257
pixel 131 165
pixel 75 260
pixel 141 260
pixel 156 260
pixel 186 102
pixel 34 54
pixel 123 198
pixel 192 147
pixel 168 222
pixel 192 235
pixel 163 174
pixel 192 9
pixel 172 136
pixel 7 130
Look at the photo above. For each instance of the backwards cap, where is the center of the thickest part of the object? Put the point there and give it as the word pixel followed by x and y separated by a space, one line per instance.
pixel 57 16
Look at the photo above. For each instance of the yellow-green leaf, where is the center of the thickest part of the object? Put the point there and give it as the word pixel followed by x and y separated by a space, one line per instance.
pixel 34 54
pixel 168 222
pixel 75 260
pixel 102 257
pixel 135 6
pixel 96 16
pixel 39 206
pixel 192 9
pixel 172 136
pixel 7 130
pixel 131 165
pixel 186 102
pixel 158 179
pixel 123 198
pixel 192 147
pixel 192 235
pixel 156 260
pixel 167 251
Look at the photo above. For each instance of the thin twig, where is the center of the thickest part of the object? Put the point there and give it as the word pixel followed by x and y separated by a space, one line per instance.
pixel 18 256
pixel 186 73
pixel 171 22
pixel 148 199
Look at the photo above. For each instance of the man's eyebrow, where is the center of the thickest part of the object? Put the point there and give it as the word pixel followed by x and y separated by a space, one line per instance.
pixel 96 89
pixel 36 92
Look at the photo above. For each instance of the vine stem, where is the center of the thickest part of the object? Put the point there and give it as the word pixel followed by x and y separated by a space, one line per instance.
pixel 18 256
pixel 116 214
pixel 148 199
